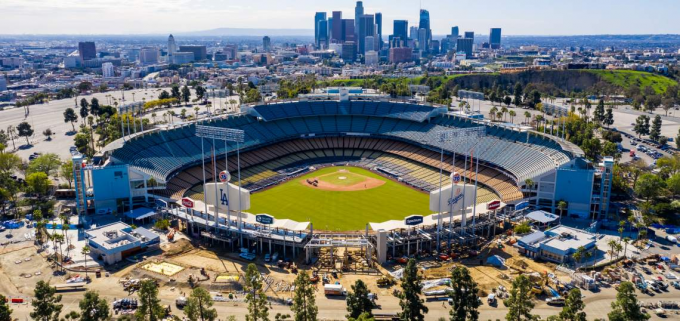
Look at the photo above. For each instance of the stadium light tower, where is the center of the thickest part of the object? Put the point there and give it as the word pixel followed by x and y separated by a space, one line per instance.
pixel 227 135
pixel 447 137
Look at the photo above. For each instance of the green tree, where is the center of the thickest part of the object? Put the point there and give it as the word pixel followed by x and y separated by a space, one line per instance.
pixel 9 162
pixel 164 95
pixel 599 113
pixel 518 94
pixel 70 117
pixel 93 308
pixel 175 93
pixel 186 94
pixel 626 307
pixel 673 184
pixel 655 132
pixel 66 171
pixel 252 96
pixel 200 92
pixel 38 183
pixel 149 308
pixel 464 296
pixel 648 186
pixel 5 310
pixel 199 306
pixel 358 301
pixel 45 304
pixel 47 163
pixel 255 297
pixel 24 130
pixel 412 306
pixel 608 118
pixel 519 303
pixel 94 107
pixel 363 317
pixel 85 251
pixel 573 308
pixel 304 300
pixel 641 125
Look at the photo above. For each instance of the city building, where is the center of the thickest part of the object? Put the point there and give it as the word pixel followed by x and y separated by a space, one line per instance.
pixel 557 244
pixel 107 70
pixel 230 51
pixel 148 56
pixel 371 58
pixel 87 50
pixel 200 52
pixel 424 24
pixel 455 32
pixel 413 33
pixel 400 30
pixel 266 43
pixel 369 44
pixel 318 17
pixel 3 83
pixel 348 30
pixel 378 30
pixel 366 29
pixel 495 38
pixel 422 41
pixel 336 28
pixel 172 49
pixel 465 45
pixel 400 55
pixel 358 12
pixel 183 58
pixel 323 34
pixel 116 241
pixel 349 51
pixel 470 35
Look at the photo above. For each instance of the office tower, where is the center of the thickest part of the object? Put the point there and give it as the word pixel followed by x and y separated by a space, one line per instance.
pixel 87 50
pixel 396 42
pixel 3 83
pixel 358 12
pixel 347 30
pixel 323 34
pixel 455 33
pixel 366 28
pixel 336 35
pixel 399 55
pixel 107 70
pixel 401 30
pixel 470 35
pixel 425 24
pixel 422 40
pixel 318 17
pixel 199 52
pixel 266 43
pixel 172 48
pixel 369 44
pixel 230 51
pixel 371 58
pixel 434 47
pixel 413 32
pixel 465 45
pixel 495 38
pixel 349 51
pixel 378 31
pixel 149 56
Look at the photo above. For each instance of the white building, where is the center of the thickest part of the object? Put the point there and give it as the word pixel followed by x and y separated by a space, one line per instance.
pixel 116 241
pixel 183 58
pixel 372 58
pixel 107 70
pixel 172 49
pixel 148 56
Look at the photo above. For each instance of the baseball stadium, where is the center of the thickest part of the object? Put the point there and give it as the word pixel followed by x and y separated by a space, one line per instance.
pixel 335 164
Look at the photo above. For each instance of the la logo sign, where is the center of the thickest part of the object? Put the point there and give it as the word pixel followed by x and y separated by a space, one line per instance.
pixel 224 200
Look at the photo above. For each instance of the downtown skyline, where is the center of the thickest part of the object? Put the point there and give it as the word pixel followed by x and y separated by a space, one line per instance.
pixel 525 17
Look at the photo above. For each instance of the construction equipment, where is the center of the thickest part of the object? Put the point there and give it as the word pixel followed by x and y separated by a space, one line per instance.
pixel 385 281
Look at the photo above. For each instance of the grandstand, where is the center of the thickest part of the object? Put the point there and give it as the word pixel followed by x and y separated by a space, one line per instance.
pixel 396 138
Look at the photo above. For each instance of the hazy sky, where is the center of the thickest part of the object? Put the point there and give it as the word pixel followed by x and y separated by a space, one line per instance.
pixel 516 17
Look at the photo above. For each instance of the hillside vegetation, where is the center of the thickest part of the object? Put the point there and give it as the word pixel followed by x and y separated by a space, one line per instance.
pixel 626 78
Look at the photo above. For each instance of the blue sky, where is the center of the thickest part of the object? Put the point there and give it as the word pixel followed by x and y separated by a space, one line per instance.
pixel 516 17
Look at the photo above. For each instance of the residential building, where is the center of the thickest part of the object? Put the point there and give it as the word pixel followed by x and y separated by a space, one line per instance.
pixel 107 70
pixel 87 50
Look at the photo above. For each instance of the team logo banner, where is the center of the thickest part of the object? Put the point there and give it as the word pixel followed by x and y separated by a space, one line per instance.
pixel 452 198
pixel 227 196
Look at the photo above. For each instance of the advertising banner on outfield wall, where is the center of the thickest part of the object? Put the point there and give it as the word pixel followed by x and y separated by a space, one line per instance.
pixel 227 194
pixel 452 195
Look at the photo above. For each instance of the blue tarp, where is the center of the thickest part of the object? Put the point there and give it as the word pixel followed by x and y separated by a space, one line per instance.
pixel 13 224
pixel 140 213
pixel 496 261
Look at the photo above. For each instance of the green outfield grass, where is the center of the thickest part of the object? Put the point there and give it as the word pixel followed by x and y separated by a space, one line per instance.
pixel 350 178
pixel 341 211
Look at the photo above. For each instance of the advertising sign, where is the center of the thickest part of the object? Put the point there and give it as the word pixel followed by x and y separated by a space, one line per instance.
pixel 413 220
pixel 455 177
pixel 187 202
pixel 521 205
pixel 493 205
pixel 224 176
pixel 264 219
pixel 452 198
pixel 227 196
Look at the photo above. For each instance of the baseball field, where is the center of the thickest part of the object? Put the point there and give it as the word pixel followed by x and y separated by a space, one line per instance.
pixel 340 199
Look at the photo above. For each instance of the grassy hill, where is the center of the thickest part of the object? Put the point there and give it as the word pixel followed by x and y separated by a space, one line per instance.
pixel 625 78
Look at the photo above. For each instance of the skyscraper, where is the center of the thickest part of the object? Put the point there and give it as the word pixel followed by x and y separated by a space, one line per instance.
pixel 323 34
pixel 495 38
pixel 266 43
pixel 347 30
pixel 464 45
pixel 455 33
pixel 369 44
pixel 172 48
pixel 425 24
pixel 358 12
pixel 318 17
pixel 422 41
pixel 378 31
pixel 470 35
pixel 401 29
pixel 413 32
pixel 336 35
pixel 148 56
pixel 366 29
pixel 349 51
pixel 3 83
pixel 87 50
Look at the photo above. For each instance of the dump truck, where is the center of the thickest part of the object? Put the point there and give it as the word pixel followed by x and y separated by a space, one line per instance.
pixel 334 289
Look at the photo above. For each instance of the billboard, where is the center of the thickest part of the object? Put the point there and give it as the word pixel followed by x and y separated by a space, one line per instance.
pixel 264 219
pixel 452 196
pixel 227 196
pixel 413 220
pixel 493 205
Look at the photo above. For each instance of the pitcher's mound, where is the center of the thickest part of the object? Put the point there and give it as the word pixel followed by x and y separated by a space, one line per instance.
pixel 342 180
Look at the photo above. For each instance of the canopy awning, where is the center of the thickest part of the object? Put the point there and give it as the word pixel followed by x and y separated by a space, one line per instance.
pixel 140 213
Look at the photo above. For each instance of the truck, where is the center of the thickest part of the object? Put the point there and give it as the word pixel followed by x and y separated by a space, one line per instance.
pixel 334 289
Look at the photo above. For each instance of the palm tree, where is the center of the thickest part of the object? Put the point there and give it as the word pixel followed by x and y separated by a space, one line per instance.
pixel 85 252
pixel 529 184
pixel 527 116
pixel 196 109
pixel 612 245
pixel 561 205
pixel 589 254
pixel 505 111
pixel 153 117
pixel 232 102
pixel 626 240
pixel 618 249
pixel 512 114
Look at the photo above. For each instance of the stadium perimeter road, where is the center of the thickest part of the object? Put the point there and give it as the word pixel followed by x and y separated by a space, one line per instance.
pixel 597 305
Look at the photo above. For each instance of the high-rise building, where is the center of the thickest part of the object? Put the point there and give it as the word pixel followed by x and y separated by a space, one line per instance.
pixel 266 43
pixel 348 30
pixel 401 30
pixel 358 12
pixel 172 48
pixel 425 24
pixel 318 17
pixel 399 55
pixel 3 83
pixel 413 33
pixel 455 33
pixel 495 38
pixel 230 51
pixel 323 34
pixel 371 58
pixel 349 51
pixel 378 30
pixel 87 50
pixel 200 53
pixel 422 40
pixel 148 56
pixel 465 45
pixel 336 34
pixel 369 44
pixel 107 70
pixel 366 29
pixel 470 35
